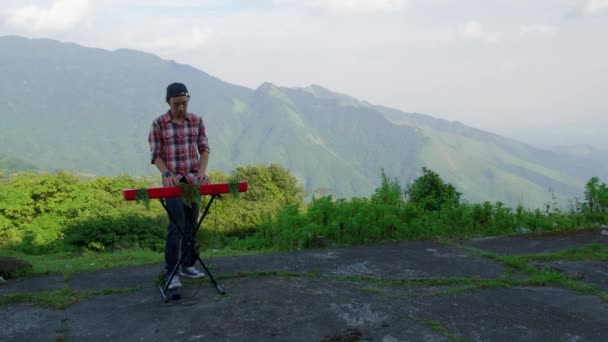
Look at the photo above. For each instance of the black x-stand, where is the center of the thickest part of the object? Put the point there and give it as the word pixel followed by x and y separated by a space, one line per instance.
pixel 190 248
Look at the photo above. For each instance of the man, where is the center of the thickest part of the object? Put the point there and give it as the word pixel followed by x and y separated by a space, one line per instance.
pixel 180 151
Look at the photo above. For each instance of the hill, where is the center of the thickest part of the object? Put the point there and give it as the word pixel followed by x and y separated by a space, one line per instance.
pixel 10 165
pixel 65 106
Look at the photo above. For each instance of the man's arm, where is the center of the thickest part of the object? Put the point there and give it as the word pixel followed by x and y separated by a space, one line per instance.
pixel 203 150
pixel 162 167
pixel 155 140
pixel 202 169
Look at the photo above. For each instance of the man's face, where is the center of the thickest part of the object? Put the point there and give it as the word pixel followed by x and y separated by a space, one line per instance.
pixel 179 105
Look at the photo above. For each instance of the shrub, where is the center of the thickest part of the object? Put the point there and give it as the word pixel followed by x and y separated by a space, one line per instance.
pixel 123 230
pixel 430 192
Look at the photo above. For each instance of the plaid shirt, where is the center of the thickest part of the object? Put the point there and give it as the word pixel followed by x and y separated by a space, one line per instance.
pixel 179 145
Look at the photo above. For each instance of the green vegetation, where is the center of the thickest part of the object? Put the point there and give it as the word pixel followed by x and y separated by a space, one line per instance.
pixel 61 331
pixel 428 208
pixel 596 195
pixel 62 213
pixel 9 165
pixel 60 299
pixel 74 219
pixel 430 192
pixel 548 276
pixel 70 262
pixel 592 252
pixel 438 327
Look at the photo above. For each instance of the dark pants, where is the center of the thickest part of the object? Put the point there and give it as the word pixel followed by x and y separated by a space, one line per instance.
pixel 186 218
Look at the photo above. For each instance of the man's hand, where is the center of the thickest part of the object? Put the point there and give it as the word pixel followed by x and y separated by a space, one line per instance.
pixel 170 181
pixel 202 178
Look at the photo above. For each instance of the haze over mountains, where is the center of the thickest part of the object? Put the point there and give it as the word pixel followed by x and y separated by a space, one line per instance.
pixel 64 106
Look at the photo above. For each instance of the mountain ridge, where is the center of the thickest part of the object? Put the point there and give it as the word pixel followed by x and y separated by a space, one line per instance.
pixel 88 109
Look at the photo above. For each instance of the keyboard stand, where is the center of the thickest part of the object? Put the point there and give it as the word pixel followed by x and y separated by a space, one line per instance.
pixel 190 248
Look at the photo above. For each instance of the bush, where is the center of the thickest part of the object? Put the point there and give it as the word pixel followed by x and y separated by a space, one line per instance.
pixel 55 212
pixel 429 191
pixel 596 200
pixel 123 230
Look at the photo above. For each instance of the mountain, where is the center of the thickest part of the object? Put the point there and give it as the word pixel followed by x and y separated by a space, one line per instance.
pixel 64 106
pixel 10 165
pixel 584 151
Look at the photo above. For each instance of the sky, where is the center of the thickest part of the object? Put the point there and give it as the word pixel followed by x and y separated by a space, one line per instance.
pixel 534 70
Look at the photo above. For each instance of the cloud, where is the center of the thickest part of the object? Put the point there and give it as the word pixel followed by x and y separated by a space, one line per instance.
pixel 595 7
pixel 348 7
pixel 187 40
pixel 163 4
pixel 61 15
pixel 473 30
pixel 537 30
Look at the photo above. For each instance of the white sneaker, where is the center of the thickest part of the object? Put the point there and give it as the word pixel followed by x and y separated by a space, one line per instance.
pixel 174 282
pixel 191 272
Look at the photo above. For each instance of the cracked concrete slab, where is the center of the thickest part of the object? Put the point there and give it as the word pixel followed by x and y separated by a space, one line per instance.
pixel 302 307
pixel 592 272
pixel 410 259
pixel 32 285
pixel 118 278
pixel 257 309
pixel 531 244
pixel 26 322
pixel 520 314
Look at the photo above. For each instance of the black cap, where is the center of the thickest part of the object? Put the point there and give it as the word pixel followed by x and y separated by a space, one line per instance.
pixel 176 89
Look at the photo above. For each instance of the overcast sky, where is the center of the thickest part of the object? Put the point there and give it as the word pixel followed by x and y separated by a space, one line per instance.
pixel 531 69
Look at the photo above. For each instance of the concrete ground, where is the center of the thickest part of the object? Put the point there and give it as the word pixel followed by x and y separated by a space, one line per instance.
pixel 388 292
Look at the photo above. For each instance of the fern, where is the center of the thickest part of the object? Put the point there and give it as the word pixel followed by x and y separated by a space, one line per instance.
pixel 141 197
pixel 233 187
pixel 191 194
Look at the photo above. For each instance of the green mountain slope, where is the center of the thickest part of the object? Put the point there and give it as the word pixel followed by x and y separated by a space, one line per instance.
pixel 10 165
pixel 517 172
pixel 64 106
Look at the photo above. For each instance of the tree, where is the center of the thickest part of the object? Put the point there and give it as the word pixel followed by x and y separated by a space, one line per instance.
pixel 430 192
pixel 596 196
pixel 389 191
pixel 293 191
pixel 273 183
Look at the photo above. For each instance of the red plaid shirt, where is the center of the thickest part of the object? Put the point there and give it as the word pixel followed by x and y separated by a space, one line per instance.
pixel 179 145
